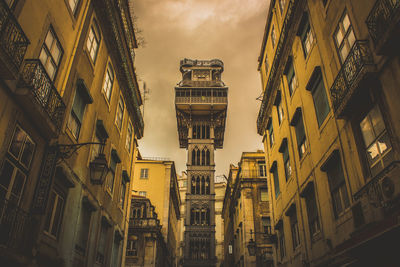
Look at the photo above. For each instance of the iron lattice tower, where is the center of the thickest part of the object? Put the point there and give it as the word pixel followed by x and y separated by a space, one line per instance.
pixel 201 101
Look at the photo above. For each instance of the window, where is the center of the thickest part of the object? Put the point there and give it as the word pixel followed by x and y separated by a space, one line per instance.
pixel 142 193
pixel 111 174
pixel 290 76
pixel 337 184
pixel 55 214
pixel 306 35
pixel 73 5
pixel 376 140
pixel 93 41
pixel 129 132
pixel 297 122
pixel 144 173
pixel 201 131
pixel 282 6
pixel 286 160
pixel 119 117
pixel 77 112
pixel 294 226
pixel 274 171
pixel 266 225
pixel 83 232
pixel 273 36
pixel 317 88
pixel 122 195
pixel 51 54
pixel 271 133
pixel 16 166
pixel 108 82
pixel 266 64
pixel 312 212
pixel 344 37
pixel 131 248
pixel 102 245
pixel 262 169
pixel 280 111
pixel 263 194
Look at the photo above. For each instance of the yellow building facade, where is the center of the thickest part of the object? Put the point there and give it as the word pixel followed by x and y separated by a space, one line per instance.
pixel 157 180
pixel 69 97
pixel 246 212
pixel 329 122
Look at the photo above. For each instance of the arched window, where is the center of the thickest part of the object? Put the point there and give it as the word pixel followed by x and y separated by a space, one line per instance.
pixel 197 219
pixel 198 185
pixel 203 217
pixel 203 157
pixel 208 132
pixel 203 131
pixel 203 185
pixel 198 157
pixel 207 157
pixel 208 217
pixel 208 185
pixel 194 156
pixel 192 216
pixel 193 185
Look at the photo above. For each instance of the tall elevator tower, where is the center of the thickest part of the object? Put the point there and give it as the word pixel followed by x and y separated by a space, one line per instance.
pixel 201 100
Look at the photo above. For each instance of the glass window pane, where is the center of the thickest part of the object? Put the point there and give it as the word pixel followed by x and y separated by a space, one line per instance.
pixel 377 121
pixel 49 39
pixel 339 37
pixel 43 57
pixel 367 131
pixel 51 69
pixel 344 51
pixel 55 53
pixel 6 175
pixel 346 22
pixel 351 38
pixel 17 142
pixel 18 185
pixel 27 154
pixel 384 144
pixel 52 200
pixel 57 216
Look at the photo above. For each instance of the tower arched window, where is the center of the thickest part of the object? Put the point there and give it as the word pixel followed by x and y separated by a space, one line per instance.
pixel 193 185
pixel 203 157
pixel 198 157
pixel 192 216
pixel 207 185
pixel 208 217
pixel 203 186
pixel 194 156
pixel 207 157
pixel 198 185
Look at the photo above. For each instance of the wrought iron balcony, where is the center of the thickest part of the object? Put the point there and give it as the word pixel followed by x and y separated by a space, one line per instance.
pixel 144 223
pixel 35 78
pixel 13 41
pixel 382 19
pixel 14 224
pixel 358 64
pixel 191 83
pixel 201 100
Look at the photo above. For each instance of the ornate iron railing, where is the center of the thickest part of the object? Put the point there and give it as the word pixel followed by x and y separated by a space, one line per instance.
pixel 251 174
pixel 201 83
pixel 34 76
pixel 13 39
pixel 380 18
pixel 144 223
pixel 201 99
pixel 349 75
pixel 273 75
pixel 13 225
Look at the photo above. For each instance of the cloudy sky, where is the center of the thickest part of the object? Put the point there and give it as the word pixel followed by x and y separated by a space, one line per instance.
pixel 230 30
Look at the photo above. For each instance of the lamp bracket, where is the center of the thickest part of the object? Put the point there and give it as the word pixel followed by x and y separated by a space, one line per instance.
pixel 65 151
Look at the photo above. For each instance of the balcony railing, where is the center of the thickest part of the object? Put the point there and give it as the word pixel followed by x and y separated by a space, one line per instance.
pixel 13 39
pixel 251 174
pixel 381 17
pixel 34 77
pixel 201 99
pixel 201 83
pixel 353 70
pixel 13 225
pixel 144 223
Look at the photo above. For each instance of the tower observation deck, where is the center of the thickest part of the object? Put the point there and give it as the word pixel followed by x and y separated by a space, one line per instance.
pixel 201 100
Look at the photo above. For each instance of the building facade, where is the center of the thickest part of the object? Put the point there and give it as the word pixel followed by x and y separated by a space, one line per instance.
pixel 157 180
pixel 201 103
pixel 219 185
pixel 146 245
pixel 69 121
pixel 249 240
pixel 182 181
pixel 330 124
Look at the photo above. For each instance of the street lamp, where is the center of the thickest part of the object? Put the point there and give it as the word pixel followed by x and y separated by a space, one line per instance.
pixel 98 167
pixel 252 245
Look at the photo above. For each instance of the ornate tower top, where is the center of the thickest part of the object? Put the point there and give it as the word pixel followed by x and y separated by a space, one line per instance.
pixel 201 72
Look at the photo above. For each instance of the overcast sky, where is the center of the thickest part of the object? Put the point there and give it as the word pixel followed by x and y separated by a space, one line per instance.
pixel 230 30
